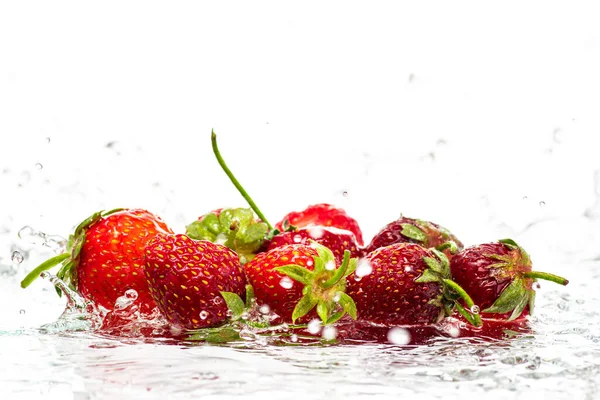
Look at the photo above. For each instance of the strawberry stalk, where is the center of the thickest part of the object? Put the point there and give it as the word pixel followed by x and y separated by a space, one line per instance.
pixel 546 276
pixel 46 265
pixel 474 319
pixel 235 182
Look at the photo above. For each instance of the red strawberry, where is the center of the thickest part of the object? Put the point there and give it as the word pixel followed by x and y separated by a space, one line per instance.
pixel 410 230
pixel 499 278
pixel 105 256
pixel 294 279
pixel 405 284
pixel 336 240
pixel 236 228
pixel 321 215
pixel 186 278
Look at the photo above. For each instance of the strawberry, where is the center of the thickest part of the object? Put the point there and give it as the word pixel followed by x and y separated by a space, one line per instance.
pixel 405 284
pixel 337 240
pixel 321 215
pixel 186 278
pixel 294 279
pixel 236 228
pixel 105 257
pixel 499 278
pixel 410 230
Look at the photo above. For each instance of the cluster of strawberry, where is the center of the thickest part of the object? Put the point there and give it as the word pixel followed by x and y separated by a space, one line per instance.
pixel 313 264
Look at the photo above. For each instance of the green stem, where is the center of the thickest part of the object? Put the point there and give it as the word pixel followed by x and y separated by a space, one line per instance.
pixel 465 296
pixel 339 273
pixel 46 265
pixel 235 182
pixel 546 276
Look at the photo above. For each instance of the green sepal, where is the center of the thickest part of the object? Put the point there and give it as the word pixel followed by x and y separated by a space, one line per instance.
pixel 323 311
pixel 304 306
pixel 352 264
pixel 428 276
pixel 434 265
pixel 449 245
pixel 224 334
pixel 414 233
pixel 234 303
pixel 249 295
pixel 510 298
pixel 519 308
pixel 297 273
pixel 348 305
pixel 325 257
pixel 466 314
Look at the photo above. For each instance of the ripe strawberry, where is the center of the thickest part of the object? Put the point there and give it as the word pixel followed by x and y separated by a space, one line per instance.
pixel 410 230
pixel 105 257
pixel 336 240
pixel 405 284
pixel 321 215
pixel 186 278
pixel 295 278
pixel 236 228
pixel 499 278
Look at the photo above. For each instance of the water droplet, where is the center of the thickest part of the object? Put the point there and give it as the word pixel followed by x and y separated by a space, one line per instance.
pixel 399 336
pixel 48 139
pixel 285 327
pixel 297 238
pixel 525 197
pixel 17 257
pixel 330 266
pixel 316 232
pixel 537 286
pixel 131 294
pixel 21 311
pixel 245 315
pixel 203 315
pixel 345 193
pixel 218 300
pixel 475 309
pixel 38 166
pixel 264 309
pixel 408 268
pixel 542 203
pixel 453 330
pixel 337 297
pixel 314 326
pixel 329 332
pixel 294 338
pixel 286 282
pixel 309 263
pixel 229 313
pixel 363 268
pixel 357 278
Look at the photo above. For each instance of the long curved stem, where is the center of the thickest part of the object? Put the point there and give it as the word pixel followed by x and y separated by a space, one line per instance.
pixel 546 276
pixel 46 265
pixel 235 182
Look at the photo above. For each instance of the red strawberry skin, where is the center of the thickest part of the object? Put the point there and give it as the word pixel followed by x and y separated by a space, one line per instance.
pixel 185 278
pixel 471 270
pixel 323 215
pixel 336 240
pixel 268 286
pixel 390 294
pixel 392 233
pixel 112 257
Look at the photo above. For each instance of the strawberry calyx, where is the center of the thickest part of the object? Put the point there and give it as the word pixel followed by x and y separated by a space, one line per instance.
pixel 70 258
pixel 236 228
pixel 519 293
pixel 324 286
pixel 439 271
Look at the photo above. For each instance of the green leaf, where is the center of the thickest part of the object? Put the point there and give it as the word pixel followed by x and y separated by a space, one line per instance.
pixel 510 243
pixel 414 233
pixel 519 308
pixel 249 295
pixel 325 257
pixel 428 276
pixel 223 334
pixel 348 304
pixel 444 262
pixel 335 317
pixel 323 311
pixel 306 303
pixel 254 233
pixel 531 301
pixel 234 303
pixel 198 230
pixel 510 298
pixel 352 264
pixel 297 273
pixel 433 264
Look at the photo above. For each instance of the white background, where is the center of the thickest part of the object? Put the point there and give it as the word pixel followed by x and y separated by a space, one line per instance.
pixel 482 118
